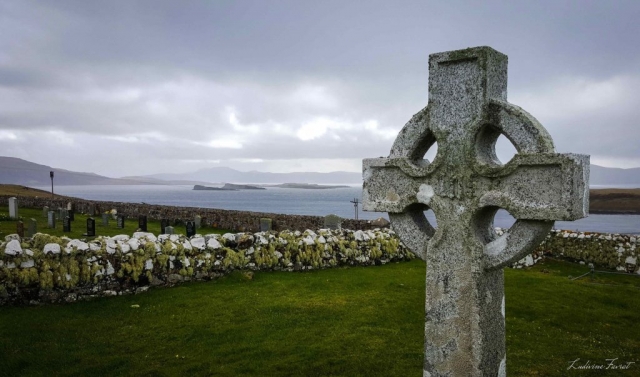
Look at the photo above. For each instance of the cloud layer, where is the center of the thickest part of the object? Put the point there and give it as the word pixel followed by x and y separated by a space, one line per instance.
pixel 126 88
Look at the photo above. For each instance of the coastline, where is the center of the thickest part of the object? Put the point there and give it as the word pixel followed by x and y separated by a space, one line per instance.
pixel 602 201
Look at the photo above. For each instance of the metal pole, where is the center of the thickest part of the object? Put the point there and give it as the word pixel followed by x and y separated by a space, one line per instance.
pixel 355 206
pixel 51 175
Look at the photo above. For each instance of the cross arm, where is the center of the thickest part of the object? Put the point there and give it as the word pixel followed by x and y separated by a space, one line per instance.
pixel 542 186
pixel 536 190
pixel 390 184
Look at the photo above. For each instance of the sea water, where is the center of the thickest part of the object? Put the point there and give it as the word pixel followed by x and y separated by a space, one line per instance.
pixel 316 202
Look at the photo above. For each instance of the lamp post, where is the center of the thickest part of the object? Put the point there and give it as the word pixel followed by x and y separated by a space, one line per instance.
pixel 51 175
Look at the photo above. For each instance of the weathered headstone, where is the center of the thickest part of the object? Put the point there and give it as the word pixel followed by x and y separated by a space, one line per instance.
pixel 265 224
pixel 51 219
pixel 13 208
pixel 66 224
pixel 105 219
pixel 465 185
pixel 191 228
pixel 70 206
pixel 142 223
pixel 168 230
pixel 72 214
pixel 164 223
pixel 45 211
pixel 20 229
pixel 120 221
pixel 32 227
pixel 333 222
pixel 91 227
pixel 198 221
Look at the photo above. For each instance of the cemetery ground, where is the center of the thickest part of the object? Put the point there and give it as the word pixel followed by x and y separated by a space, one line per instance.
pixel 79 225
pixel 19 190
pixel 340 322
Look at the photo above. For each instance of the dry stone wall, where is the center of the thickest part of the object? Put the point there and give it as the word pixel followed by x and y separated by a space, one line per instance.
pixel 49 269
pixel 612 251
pixel 237 221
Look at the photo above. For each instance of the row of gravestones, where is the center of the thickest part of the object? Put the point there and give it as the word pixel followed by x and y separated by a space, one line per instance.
pixel 68 215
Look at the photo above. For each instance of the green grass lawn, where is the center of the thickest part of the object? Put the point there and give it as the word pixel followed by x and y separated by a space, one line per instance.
pixel 339 322
pixel 79 226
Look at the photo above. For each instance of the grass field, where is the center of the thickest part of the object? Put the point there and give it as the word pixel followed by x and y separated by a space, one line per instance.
pixel 337 322
pixel 79 226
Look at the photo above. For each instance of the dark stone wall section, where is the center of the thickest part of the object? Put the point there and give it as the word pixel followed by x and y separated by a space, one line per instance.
pixel 236 221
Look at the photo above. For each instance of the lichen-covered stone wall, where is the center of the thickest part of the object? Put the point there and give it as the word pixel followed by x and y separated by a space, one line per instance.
pixel 46 269
pixel 237 221
pixel 611 251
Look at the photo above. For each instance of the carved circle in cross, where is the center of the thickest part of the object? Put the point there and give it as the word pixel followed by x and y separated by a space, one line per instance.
pixel 465 154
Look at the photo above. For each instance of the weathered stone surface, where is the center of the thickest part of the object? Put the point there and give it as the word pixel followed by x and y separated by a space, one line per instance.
pixel 13 248
pixel 245 241
pixel 52 248
pixel 76 244
pixel 198 242
pixel 464 186
pixel 13 236
pixel 380 222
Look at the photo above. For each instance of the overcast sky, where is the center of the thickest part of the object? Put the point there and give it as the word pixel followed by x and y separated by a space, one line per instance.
pixel 139 87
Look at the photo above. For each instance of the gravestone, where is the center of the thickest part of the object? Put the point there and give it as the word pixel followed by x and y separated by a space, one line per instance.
pixel 198 221
pixel 164 223
pixel 66 224
pixel 45 211
pixel 191 228
pixel 105 219
pixel 464 186
pixel 120 221
pixel 91 227
pixel 332 222
pixel 265 224
pixel 20 229
pixel 13 208
pixel 32 227
pixel 168 230
pixel 70 206
pixel 51 219
pixel 72 215
pixel 142 223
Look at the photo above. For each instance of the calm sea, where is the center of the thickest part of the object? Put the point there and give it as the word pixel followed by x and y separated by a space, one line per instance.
pixel 302 202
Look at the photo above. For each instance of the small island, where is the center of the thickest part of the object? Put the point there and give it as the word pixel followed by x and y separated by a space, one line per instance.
pixel 207 188
pixel 231 186
pixel 312 186
pixel 228 187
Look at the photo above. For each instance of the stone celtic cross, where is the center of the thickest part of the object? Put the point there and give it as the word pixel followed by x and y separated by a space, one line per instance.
pixel 464 186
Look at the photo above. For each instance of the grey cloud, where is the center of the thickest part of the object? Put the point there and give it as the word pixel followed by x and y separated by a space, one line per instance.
pixel 172 72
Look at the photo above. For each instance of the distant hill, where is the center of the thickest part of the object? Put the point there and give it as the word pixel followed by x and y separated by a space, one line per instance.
pixel 21 172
